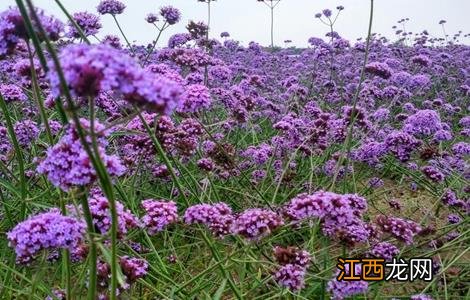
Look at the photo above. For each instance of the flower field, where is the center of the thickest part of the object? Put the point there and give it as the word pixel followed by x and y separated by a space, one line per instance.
pixel 200 168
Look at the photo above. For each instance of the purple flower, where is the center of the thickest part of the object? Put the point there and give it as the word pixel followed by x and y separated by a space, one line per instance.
pixel 323 204
pixel 384 250
pixel 291 276
pixel 449 197
pixel 423 122
pixel 403 230
pixel 370 152
pixel 381 114
pixel 376 182
pixel 67 164
pixel 156 93
pixel 343 289
pixel 461 149
pixel 465 122
pixel 89 24
pixel 5 145
pixel 433 173
pixel 178 40
pixel 11 93
pixel 133 268
pixel 112 41
pixel 159 214
pixel 305 206
pixel 258 154
pixel 292 255
pixel 454 219
pixel 12 29
pixel 422 60
pixel 327 13
pixel 442 135
pixel 49 230
pixel 112 7
pixel 256 223
pixel 101 215
pixel 26 132
pixel 196 97
pixel 151 18
pixel 218 217
pixel 206 164
pixel 90 69
pixel 379 69
pixel 401 144
pixel 171 14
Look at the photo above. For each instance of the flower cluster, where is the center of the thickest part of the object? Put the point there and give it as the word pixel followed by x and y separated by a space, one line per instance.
pixel 217 217
pixel 101 216
pixel 256 223
pixel 12 29
pixel 67 164
pixel 50 230
pixel 88 23
pixel 343 289
pixel 159 214
pixel 91 69
pixel 112 7
pixel 404 230
pixel 294 263
pixel 341 215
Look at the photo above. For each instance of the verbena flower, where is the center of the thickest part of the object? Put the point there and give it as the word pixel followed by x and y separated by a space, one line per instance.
pixel 68 165
pixel 292 255
pixel 343 289
pixel 133 268
pixel 112 7
pixel 101 216
pixel 291 276
pixel 90 69
pixel 195 98
pixel 26 132
pixel 423 122
pixel 11 93
pixel 170 14
pixel 89 24
pixel 50 230
pixel 379 69
pixel 13 30
pixel 159 214
pixel 217 217
pixel 384 250
pixel 256 223
pixel 403 230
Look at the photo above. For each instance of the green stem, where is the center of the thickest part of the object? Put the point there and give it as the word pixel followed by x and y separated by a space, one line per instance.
pixel 66 257
pixel 164 157
pixel 208 18
pixel 38 98
pixel 93 253
pixel 98 165
pixel 123 35
pixel 73 22
pixel 154 44
pixel 347 142
pixel 272 26
pixel 18 153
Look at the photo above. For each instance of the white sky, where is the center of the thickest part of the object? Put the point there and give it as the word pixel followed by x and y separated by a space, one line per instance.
pixel 249 20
